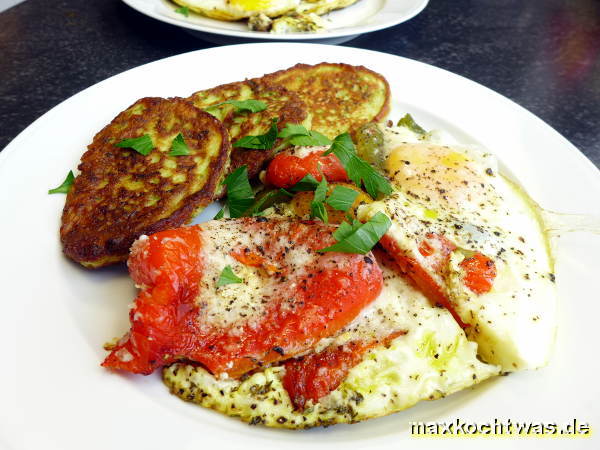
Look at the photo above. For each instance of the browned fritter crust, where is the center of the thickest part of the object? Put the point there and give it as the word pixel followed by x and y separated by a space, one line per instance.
pixel 121 194
pixel 340 97
pixel 281 103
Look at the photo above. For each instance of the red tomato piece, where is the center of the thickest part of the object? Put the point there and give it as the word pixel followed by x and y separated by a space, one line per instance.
pixel 436 253
pixel 293 307
pixel 286 170
pixel 316 375
pixel 479 273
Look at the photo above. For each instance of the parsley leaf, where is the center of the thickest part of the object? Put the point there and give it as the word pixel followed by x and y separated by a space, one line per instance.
pixel 261 142
pixel 298 135
pixel 65 187
pixel 220 214
pixel 341 198
pixel 184 10
pixel 228 277
pixel 358 170
pixel 143 144
pixel 239 192
pixel 307 183
pixel 251 105
pixel 179 147
pixel 317 207
pixel 360 238
pixel 408 122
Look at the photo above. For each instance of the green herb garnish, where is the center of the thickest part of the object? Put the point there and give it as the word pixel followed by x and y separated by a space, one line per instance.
pixel 408 122
pixel 359 238
pixel 341 198
pixel 358 170
pixel 65 187
pixel 228 277
pixel 143 144
pixel 261 142
pixel 179 147
pixel 239 192
pixel 184 10
pixel 252 106
pixel 220 214
pixel 317 207
pixel 298 135
pixel 307 183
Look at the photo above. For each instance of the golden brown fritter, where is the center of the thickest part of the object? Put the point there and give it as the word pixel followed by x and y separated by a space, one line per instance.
pixel 121 194
pixel 281 104
pixel 340 97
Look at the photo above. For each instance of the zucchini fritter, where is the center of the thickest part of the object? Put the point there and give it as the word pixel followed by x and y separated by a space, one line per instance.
pixel 121 194
pixel 340 97
pixel 281 104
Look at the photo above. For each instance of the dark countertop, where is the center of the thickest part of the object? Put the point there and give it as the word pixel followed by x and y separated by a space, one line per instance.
pixel 543 54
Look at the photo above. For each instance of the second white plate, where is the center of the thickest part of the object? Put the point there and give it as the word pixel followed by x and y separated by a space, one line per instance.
pixel 345 24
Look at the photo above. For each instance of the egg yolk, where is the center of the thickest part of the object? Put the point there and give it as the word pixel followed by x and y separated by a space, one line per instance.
pixel 252 5
pixel 441 177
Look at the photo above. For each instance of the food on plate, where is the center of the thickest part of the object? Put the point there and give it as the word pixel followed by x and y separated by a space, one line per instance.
pixel 355 375
pixel 154 167
pixel 340 97
pixel 226 102
pixel 277 16
pixel 239 294
pixel 470 238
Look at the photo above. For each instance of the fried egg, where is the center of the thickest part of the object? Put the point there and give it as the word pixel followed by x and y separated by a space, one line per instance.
pixel 232 10
pixel 433 359
pixel 457 192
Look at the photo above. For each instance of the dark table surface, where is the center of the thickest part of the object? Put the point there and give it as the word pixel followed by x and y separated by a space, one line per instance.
pixel 543 54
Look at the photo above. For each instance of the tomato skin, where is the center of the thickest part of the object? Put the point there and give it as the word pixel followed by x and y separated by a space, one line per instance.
pixel 419 275
pixel 312 304
pixel 286 170
pixel 479 273
pixel 315 375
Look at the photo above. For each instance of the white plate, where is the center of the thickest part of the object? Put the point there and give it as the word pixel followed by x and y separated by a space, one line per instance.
pixel 56 316
pixel 345 24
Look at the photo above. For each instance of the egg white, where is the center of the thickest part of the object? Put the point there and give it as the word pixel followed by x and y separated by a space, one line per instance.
pixel 432 360
pixel 458 192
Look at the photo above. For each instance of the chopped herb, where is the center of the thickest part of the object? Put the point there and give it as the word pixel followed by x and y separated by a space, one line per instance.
pixel 359 238
pixel 220 214
pixel 228 277
pixel 317 207
pixel 239 192
pixel 408 122
pixel 65 187
pixel 298 135
pixel 252 106
pixel 358 170
pixel 143 144
pixel 307 183
pixel 179 147
pixel 261 142
pixel 184 10
pixel 342 198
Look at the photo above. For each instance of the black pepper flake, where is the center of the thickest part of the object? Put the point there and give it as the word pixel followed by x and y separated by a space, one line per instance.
pixel 552 277
pixel 278 350
pixel 368 260
pixel 489 171
pixel 261 219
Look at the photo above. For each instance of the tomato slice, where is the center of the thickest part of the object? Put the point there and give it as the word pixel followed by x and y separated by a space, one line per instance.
pixel 301 297
pixel 316 375
pixel 285 170
pixel 435 251
pixel 479 273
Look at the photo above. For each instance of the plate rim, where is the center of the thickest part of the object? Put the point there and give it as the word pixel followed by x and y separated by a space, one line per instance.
pixel 420 5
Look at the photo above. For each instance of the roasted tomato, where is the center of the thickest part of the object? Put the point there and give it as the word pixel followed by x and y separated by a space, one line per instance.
pixel 479 273
pixel 287 169
pixel 290 296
